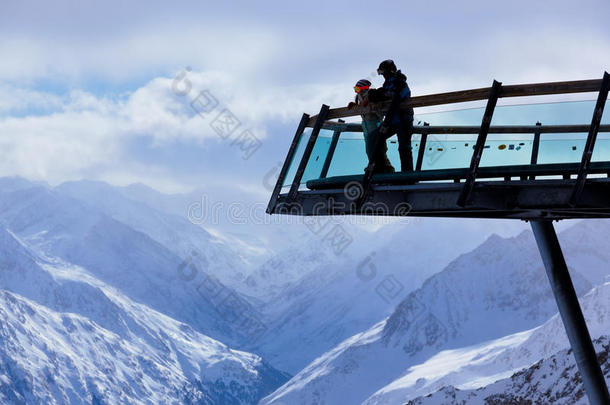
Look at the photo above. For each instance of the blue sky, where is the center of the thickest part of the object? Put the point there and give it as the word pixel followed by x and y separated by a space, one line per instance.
pixel 86 88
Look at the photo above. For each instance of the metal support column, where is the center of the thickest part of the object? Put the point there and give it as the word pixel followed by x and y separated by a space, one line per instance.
pixel 571 314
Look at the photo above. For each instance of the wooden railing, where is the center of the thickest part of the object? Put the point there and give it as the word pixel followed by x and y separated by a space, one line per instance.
pixel 462 96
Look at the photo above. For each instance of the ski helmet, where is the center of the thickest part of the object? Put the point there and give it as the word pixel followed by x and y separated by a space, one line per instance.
pixel 387 66
pixel 361 85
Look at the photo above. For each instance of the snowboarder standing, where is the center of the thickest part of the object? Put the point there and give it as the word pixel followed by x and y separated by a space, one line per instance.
pixel 370 127
pixel 401 123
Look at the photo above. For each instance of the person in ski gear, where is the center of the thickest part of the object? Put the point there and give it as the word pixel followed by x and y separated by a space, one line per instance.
pixel 370 127
pixel 401 124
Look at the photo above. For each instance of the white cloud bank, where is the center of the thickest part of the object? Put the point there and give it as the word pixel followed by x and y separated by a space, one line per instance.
pixel 266 63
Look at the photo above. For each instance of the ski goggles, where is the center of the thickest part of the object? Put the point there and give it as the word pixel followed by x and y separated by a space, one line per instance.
pixel 358 89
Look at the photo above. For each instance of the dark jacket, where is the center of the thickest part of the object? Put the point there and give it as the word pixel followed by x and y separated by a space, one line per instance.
pixel 394 84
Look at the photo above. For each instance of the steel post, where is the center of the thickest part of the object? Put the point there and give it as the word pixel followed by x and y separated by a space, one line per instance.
pixel 571 314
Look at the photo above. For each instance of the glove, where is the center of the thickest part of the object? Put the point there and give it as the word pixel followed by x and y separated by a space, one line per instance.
pixel 351 104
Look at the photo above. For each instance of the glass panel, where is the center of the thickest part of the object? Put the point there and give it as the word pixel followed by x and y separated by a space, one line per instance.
pixel 469 117
pixel 350 155
pixel 449 151
pixel 296 159
pixel 554 148
pixel 601 151
pixel 561 148
pixel 316 160
pixel 507 149
pixel 561 113
pixel 318 156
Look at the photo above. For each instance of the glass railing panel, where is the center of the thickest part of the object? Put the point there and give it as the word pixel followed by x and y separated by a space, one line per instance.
pixel 318 156
pixel 467 117
pixel 316 159
pixel 350 155
pixel 561 148
pixel 448 151
pixel 507 150
pixel 558 113
pixel 296 158
pixel 455 150
pixel 601 151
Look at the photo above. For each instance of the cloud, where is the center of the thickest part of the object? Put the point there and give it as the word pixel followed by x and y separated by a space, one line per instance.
pixel 86 91
pixel 79 134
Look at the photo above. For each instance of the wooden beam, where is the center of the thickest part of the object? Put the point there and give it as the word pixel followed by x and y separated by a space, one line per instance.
pixel 509 129
pixel 463 129
pixel 515 90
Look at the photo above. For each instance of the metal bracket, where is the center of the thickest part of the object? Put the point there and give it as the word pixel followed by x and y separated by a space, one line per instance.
pixel 591 138
pixel 494 94
pixel 331 152
pixel 422 148
pixel 535 147
pixel 289 156
pixel 294 188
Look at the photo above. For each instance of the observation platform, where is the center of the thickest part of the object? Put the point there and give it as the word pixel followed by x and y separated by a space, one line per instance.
pixel 515 157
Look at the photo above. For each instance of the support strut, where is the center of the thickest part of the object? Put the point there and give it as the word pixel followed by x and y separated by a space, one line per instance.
pixel 571 314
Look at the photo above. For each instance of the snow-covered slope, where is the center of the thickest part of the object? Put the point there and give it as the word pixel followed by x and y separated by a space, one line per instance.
pixel 497 289
pixel 553 380
pixel 68 337
pixel 49 357
pixel 60 227
pixel 176 233
pixel 479 365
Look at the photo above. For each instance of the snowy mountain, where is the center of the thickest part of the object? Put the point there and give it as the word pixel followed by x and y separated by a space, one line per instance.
pixel 553 380
pixel 57 226
pixel 68 337
pixel 235 216
pixel 498 289
pixel 174 232
pixel 479 365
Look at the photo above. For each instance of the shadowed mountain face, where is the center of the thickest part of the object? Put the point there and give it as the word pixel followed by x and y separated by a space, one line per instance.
pixel 497 289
